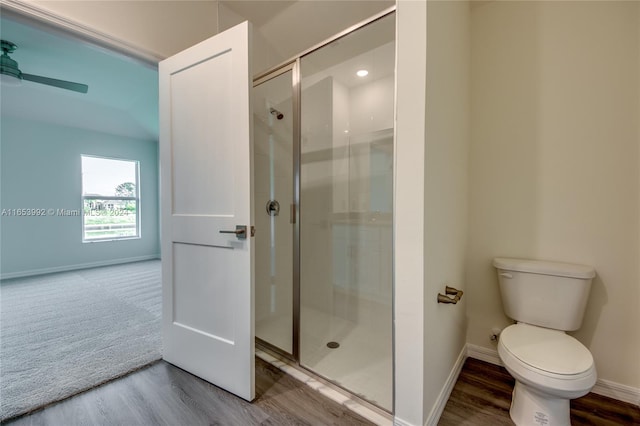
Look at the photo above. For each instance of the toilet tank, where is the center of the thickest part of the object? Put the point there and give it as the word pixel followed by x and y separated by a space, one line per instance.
pixel 548 294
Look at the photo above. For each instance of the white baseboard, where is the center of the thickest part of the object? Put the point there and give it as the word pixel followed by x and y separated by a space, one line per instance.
pixel 400 422
pixel 66 268
pixel 441 402
pixel 484 354
pixel 617 391
pixel 603 387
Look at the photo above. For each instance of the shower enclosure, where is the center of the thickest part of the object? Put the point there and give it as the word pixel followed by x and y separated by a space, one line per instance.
pixel 323 164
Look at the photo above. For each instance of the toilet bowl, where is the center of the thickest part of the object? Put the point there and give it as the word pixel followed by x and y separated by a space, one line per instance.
pixel 550 368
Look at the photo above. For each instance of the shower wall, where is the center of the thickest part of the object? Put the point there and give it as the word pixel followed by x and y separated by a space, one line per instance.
pixel 317 202
pixel 347 155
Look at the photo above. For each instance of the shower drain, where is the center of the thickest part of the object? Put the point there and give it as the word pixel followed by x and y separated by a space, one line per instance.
pixel 333 345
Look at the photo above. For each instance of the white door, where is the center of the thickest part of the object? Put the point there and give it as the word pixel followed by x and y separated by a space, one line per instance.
pixel 205 162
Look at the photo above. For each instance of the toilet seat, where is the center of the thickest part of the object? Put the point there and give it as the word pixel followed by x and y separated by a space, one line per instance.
pixel 542 358
pixel 551 351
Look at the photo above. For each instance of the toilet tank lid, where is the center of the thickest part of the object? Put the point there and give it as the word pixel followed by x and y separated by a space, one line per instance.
pixel 544 267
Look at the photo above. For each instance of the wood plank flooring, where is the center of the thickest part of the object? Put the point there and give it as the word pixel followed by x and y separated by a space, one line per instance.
pixel 162 394
pixel 482 396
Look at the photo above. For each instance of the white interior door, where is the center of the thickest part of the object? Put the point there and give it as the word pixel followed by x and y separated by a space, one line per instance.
pixel 205 154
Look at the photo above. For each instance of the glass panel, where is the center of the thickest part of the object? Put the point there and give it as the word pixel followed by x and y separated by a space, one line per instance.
pixel 108 177
pixel 110 219
pixel 109 198
pixel 273 181
pixel 346 211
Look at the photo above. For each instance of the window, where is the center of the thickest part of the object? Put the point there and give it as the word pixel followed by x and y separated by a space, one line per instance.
pixel 110 199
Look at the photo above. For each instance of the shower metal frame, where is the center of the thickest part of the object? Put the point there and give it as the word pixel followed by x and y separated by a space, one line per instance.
pixel 293 65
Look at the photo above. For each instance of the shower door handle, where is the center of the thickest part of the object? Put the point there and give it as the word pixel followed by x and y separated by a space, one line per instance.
pixel 241 232
pixel 292 217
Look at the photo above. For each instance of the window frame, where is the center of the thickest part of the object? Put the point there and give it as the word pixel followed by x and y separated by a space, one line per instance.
pixel 135 198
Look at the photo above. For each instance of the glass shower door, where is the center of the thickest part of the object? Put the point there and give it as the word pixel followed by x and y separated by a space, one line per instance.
pixel 346 199
pixel 273 189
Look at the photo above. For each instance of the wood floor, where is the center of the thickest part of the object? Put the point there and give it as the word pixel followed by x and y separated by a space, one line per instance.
pixel 165 395
pixel 162 394
pixel 482 396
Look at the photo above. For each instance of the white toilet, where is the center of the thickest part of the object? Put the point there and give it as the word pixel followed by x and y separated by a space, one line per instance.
pixel 549 366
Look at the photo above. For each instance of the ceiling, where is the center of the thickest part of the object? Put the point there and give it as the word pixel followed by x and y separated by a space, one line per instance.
pixel 259 12
pixel 123 93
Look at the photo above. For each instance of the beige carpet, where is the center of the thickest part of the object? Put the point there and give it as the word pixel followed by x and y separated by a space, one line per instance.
pixel 64 333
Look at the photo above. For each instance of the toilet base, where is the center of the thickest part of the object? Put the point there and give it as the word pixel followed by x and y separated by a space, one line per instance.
pixel 532 408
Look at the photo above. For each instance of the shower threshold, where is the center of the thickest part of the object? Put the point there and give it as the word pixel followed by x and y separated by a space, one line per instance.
pixel 330 390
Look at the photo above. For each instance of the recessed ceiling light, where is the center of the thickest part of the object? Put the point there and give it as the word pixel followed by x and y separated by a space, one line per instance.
pixel 362 73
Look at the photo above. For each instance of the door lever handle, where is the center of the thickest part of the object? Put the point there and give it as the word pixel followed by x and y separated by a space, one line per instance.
pixel 240 232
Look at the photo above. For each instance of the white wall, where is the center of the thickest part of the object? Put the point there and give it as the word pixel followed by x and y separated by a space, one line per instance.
pixel 432 139
pixel 409 212
pixel 554 162
pixel 160 28
pixel 41 169
pixel 445 182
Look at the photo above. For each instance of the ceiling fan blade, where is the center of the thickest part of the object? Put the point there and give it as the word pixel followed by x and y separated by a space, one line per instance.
pixel 76 87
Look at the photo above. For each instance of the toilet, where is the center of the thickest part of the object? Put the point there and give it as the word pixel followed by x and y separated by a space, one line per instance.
pixel 550 368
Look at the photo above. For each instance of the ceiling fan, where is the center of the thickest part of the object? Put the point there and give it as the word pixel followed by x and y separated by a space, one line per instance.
pixel 9 69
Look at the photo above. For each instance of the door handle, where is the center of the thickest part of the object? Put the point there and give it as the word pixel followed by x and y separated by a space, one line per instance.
pixel 241 232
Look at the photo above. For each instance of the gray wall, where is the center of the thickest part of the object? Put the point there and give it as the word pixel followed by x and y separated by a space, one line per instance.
pixel 40 168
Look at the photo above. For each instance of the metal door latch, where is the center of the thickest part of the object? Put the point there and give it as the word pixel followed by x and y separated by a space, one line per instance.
pixel 241 232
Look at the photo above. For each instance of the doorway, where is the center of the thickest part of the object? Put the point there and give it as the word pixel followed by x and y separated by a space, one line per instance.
pixel 323 164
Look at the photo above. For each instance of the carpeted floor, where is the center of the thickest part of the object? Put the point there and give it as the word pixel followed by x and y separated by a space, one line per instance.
pixel 64 333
